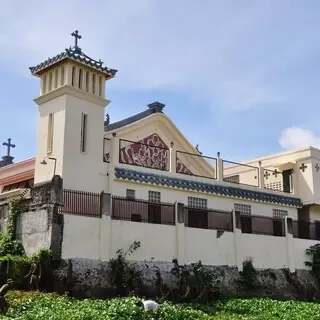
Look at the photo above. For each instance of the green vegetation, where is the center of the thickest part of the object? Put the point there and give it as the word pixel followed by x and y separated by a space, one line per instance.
pixel 13 261
pixel 249 275
pixel 31 305
pixel 314 253
pixel 9 245
pixel 125 277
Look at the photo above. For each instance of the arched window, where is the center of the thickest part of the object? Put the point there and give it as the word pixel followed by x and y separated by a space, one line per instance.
pixel 72 76
pixel 94 84
pixel 50 81
pixel 100 86
pixel 87 81
pixel 80 79
pixel 62 76
pixel 56 75
pixel 44 84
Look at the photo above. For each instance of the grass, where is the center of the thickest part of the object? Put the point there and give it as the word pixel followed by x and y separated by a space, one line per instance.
pixel 31 305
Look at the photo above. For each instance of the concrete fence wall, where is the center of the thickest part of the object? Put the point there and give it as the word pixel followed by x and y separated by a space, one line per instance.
pixel 100 238
pixel 75 236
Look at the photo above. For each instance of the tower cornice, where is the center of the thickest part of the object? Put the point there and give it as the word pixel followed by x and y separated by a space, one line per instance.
pixel 66 89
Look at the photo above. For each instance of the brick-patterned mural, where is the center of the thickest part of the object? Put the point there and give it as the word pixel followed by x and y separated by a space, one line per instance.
pixel 150 152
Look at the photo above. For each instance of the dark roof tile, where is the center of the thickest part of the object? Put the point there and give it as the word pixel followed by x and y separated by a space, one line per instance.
pixel 131 175
pixel 74 54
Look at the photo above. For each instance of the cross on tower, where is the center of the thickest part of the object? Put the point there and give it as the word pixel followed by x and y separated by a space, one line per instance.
pixel 317 167
pixel 9 145
pixel 266 174
pixel 303 167
pixel 77 37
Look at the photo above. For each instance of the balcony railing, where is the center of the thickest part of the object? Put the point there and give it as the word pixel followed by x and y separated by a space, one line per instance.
pixel 143 211
pixel 239 173
pixel 196 165
pixel 155 154
pixel 208 219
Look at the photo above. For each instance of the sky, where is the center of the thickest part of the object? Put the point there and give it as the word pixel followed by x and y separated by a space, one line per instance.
pixel 240 77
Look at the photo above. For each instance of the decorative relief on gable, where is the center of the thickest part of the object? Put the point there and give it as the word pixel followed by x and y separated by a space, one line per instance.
pixel 149 152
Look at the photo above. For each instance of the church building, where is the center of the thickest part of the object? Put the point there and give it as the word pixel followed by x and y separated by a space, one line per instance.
pixel 140 179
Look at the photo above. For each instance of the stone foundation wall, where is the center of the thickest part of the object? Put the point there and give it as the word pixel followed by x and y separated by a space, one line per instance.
pixel 88 278
pixel 40 225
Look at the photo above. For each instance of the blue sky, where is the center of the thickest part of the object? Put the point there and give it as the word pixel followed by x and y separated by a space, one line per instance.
pixel 241 77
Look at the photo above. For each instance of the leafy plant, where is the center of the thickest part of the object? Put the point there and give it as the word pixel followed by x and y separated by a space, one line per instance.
pixel 249 275
pixel 124 275
pixel 39 306
pixel 9 245
pixel 196 282
pixel 157 281
pixel 314 253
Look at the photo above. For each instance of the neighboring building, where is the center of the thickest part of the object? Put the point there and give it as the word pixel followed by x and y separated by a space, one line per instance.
pixel 162 190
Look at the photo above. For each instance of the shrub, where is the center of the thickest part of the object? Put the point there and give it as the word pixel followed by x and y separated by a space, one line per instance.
pixel 123 275
pixel 314 253
pixel 9 245
pixel 249 275
pixel 196 283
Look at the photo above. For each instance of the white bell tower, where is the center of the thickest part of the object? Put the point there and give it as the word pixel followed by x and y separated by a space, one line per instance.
pixel 71 119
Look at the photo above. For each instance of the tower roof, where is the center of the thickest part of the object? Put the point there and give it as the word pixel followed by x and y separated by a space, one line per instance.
pixel 74 53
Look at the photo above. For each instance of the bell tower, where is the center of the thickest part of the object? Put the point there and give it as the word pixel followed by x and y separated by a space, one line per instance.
pixel 70 125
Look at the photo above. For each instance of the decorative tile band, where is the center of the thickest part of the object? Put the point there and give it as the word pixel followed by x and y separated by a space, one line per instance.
pixel 151 178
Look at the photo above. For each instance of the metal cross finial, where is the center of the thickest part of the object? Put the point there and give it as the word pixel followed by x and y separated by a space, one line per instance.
pixel 9 145
pixel 77 37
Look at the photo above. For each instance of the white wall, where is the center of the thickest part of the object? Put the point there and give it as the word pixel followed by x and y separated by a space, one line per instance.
pixel 266 251
pixel 83 171
pixel 99 239
pixel 300 246
pixel 56 106
pixel 81 237
pixel 205 246
pixel 157 241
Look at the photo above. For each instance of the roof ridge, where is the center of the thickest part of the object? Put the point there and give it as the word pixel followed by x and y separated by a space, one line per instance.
pixel 155 107
pixel 75 54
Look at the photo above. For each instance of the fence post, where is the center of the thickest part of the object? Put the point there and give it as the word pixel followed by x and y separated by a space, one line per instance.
pixel 179 209
pixel 172 158
pixel 289 243
pixel 236 221
pixel 105 245
pixel 261 176
pixel 219 168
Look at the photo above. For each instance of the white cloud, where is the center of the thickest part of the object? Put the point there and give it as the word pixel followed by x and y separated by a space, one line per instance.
pixel 295 138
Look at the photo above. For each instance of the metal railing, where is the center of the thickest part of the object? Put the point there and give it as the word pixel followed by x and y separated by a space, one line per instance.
pixel 262 225
pixel 81 203
pixel 137 210
pixel 196 165
pixel 309 230
pixel 239 173
pixel 208 219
